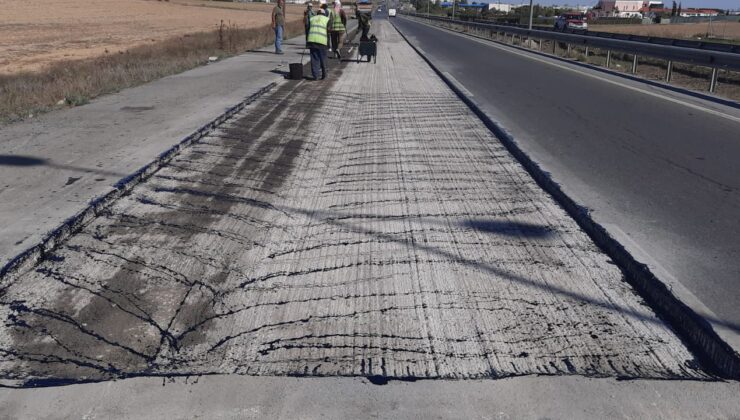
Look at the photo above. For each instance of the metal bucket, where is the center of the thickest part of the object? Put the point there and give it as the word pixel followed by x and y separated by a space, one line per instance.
pixel 296 71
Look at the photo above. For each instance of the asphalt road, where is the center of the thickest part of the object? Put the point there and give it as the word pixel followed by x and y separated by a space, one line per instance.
pixel 662 175
pixel 353 232
pixel 365 225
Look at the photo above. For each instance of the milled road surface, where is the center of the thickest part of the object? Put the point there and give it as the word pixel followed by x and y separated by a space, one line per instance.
pixel 663 177
pixel 52 166
pixel 366 225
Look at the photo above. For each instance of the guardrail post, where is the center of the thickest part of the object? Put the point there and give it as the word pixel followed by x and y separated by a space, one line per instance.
pixel 652 49
pixel 713 80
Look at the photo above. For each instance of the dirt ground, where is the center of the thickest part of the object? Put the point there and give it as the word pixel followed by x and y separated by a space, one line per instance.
pixel 34 33
pixel 718 30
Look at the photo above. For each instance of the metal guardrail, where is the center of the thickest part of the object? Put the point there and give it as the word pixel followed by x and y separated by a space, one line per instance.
pixel 703 56
pixel 676 42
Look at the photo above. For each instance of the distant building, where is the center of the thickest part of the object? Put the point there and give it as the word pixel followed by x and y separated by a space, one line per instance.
pixel 473 5
pixel 501 7
pixel 619 8
pixel 653 9
pixel 699 12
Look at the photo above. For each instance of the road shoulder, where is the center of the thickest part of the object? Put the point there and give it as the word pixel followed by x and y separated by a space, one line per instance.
pixel 231 396
pixel 54 166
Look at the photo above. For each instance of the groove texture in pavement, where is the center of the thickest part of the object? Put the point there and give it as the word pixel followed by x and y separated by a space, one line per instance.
pixel 368 225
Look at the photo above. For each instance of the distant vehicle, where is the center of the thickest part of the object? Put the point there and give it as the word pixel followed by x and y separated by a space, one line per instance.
pixel 364 6
pixel 570 21
pixel 391 12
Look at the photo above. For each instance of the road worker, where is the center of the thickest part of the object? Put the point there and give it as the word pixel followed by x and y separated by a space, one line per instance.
pixel 363 21
pixel 278 25
pixel 337 27
pixel 327 12
pixel 318 40
pixel 307 15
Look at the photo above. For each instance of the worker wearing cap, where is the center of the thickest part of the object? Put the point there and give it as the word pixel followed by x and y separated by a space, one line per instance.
pixel 337 27
pixel 307 15
pixel 317 42
pixel 327 12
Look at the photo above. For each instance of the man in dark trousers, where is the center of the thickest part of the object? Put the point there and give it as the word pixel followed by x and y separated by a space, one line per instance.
pixel 318 40
pixel 363 21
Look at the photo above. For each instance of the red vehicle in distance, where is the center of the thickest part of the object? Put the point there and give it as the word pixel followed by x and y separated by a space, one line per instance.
pixel 571 21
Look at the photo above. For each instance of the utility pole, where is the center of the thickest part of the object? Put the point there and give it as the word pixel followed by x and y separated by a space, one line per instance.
pixel 531 12
pixel 453 9
pixel 428 3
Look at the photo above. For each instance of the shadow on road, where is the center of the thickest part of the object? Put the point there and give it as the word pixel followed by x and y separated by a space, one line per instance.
pixel 28 161
pixel 509 228
pixel 498 227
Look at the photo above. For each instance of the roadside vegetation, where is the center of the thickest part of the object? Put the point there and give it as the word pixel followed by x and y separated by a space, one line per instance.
pixel 67 52
pixel 72 83
pixel 684 75
pixel 721 31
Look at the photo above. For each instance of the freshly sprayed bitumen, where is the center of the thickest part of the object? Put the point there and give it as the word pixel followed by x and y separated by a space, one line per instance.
pixel 367 225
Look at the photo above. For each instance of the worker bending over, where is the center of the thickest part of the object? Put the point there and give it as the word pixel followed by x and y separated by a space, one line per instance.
pixel 363 21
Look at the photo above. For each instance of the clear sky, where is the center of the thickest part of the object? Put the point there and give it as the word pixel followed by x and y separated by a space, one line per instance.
pixel 719 4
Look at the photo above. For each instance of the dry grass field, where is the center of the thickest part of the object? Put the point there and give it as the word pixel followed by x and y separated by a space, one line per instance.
pixel 36 33
pixel 718 30
pixel 56 53
pixel 684 75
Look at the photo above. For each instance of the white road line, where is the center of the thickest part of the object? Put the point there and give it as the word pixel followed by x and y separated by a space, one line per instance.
pixel 594 76
pixel 458 84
